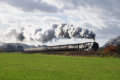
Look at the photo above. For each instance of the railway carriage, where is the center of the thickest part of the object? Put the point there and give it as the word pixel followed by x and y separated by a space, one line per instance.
pixel 88 46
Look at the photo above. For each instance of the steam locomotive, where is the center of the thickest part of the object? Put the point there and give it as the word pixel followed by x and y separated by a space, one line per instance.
pixel 88 46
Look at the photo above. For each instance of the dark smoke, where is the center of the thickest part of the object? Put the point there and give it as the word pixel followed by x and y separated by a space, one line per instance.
pixel 17 34
pixel 38 30
pixel 20 37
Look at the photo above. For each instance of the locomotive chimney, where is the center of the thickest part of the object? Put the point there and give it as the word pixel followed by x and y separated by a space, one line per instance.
pixel 94 39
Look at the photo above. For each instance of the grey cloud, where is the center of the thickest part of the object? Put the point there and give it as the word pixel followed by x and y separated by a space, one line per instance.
pixel 110 7
pixel 32 5
pixel 108 32
pixel 112 30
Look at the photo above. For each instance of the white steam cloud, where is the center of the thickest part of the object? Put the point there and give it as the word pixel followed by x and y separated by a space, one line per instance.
pixel 29 34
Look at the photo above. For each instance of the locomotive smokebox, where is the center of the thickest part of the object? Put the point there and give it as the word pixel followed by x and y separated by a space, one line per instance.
pixel 95 46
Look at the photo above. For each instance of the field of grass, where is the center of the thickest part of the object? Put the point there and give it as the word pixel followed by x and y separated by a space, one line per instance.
pixel 55 67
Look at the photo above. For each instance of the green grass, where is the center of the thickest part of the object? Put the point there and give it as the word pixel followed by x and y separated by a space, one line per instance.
pixel 54 67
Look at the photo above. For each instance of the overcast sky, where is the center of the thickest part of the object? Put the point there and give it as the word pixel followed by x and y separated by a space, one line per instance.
pixel 101 16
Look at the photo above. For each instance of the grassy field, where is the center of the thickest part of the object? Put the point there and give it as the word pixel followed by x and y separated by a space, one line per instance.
pixel 54 67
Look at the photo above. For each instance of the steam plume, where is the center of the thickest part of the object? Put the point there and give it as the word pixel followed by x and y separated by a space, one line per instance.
pixel 70 31
pixel 54 32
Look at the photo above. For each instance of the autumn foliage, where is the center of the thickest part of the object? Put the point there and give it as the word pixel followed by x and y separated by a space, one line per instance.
pixel 110 49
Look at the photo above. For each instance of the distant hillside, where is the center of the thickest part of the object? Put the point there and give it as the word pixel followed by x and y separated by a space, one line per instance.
pixel 4 45
pixel 10 47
